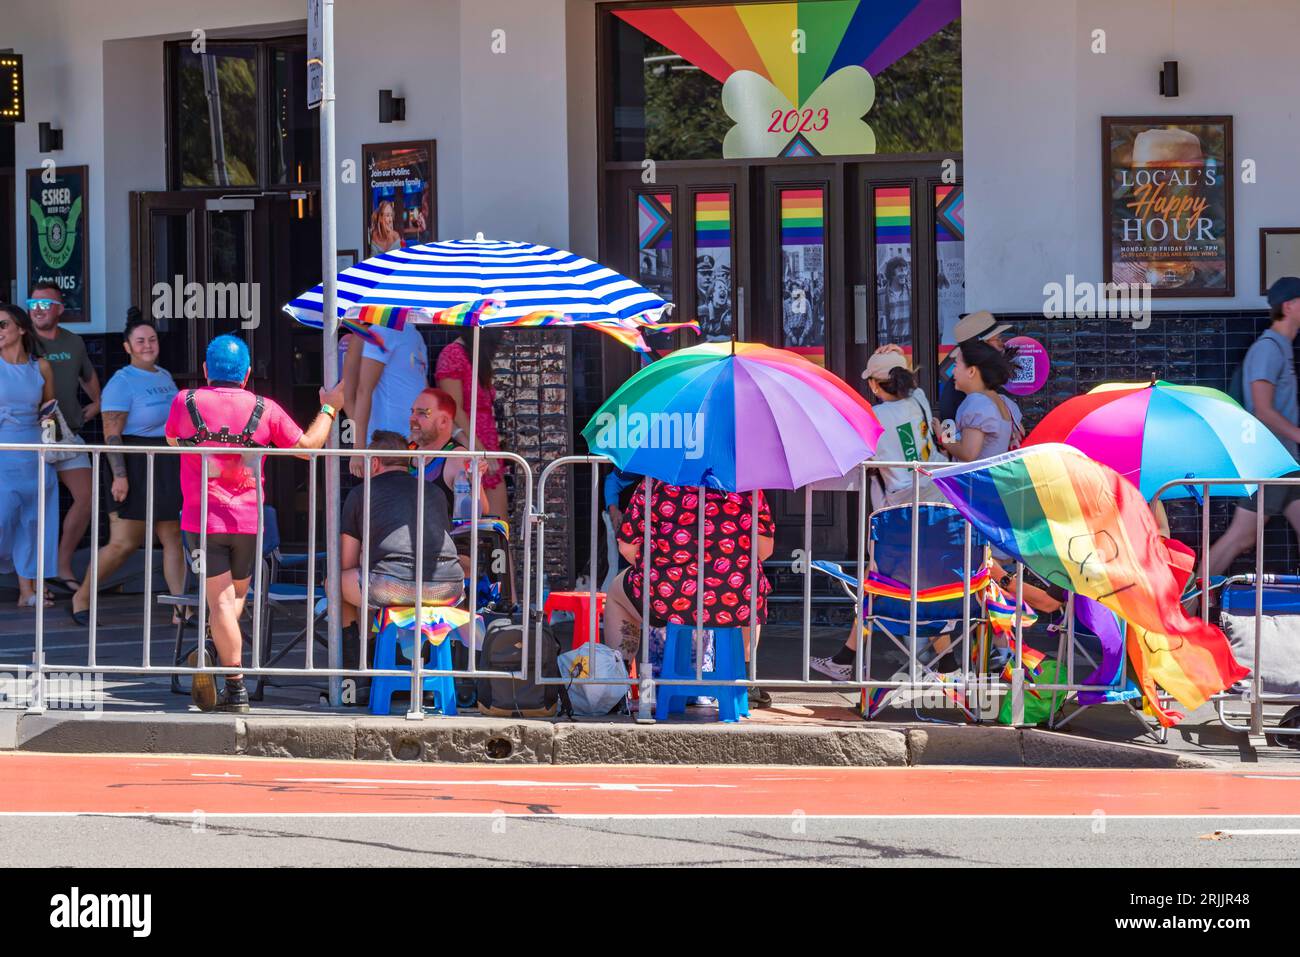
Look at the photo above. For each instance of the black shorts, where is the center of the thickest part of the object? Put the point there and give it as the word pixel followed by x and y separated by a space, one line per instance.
pixel 230 552
pixel 1276 497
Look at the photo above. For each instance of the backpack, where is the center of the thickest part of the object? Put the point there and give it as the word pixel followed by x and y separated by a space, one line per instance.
pixel 1017 437
pixel 1237 382
pixel 502 650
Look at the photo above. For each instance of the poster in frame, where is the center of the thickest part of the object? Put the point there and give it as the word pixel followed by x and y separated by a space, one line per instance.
pixel 1168 204
pixel 57 212
pixel 1279 254
pixel 399 195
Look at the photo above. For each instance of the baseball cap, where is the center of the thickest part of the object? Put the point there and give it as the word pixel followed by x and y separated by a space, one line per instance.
pixel 882 363
pixel 228 359
pixel 979 325
pixel 1284 290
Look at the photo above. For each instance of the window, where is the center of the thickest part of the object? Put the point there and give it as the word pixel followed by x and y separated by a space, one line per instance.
pixel 237 116
pixel 665 68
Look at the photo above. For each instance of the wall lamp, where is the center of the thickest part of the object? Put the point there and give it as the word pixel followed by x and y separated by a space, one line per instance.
pixel 1169 78
pixel 51 139
pixel 392 109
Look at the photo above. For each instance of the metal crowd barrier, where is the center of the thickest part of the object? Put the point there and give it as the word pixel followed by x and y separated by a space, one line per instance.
pixel 967 682
pixel 258 588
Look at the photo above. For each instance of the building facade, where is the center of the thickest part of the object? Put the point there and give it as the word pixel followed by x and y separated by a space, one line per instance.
pixel 825 175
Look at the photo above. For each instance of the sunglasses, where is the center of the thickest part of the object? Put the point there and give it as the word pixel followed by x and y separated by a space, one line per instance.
pixel 43 303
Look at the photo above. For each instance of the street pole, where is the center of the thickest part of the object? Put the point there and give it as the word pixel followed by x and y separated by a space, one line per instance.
pixel 329 350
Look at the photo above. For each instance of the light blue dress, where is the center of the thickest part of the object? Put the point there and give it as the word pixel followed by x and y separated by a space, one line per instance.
pixel 21 387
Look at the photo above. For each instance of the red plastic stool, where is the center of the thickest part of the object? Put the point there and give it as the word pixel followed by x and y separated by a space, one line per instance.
pixel 578 604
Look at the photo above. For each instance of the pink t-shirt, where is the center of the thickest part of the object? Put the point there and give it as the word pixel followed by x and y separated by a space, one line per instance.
pixel 232 488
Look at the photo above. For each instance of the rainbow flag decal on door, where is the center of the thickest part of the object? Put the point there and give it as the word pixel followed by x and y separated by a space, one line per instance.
pixel 803 218
pixel 712 220
pixel 893 216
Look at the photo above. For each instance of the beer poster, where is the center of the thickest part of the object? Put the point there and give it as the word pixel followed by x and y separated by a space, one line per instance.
pixel 56 236
pixel 1168 203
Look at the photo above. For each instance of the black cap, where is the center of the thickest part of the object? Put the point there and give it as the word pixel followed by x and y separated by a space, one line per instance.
pixel 1284 290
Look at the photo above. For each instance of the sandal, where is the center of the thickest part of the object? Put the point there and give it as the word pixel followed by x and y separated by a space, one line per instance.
pixel 30 601
pixel 69 585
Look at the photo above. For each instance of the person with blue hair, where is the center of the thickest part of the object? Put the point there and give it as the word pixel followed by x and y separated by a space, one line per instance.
pixel 225 415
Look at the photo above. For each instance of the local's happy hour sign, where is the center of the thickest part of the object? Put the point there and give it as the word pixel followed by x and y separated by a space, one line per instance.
pixel 1168 206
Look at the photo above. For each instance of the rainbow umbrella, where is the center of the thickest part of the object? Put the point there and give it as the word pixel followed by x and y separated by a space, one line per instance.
pixel 736 416
pixel 1153 433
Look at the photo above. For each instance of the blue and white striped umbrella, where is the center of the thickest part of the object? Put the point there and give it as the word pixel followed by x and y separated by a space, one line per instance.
pixel 525 278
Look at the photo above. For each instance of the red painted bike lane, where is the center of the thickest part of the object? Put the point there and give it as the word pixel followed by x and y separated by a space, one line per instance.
pixel 44 784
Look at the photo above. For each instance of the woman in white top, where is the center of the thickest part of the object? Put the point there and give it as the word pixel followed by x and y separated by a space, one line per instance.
pixel 136 402
pixel 905 414
pixel 988 423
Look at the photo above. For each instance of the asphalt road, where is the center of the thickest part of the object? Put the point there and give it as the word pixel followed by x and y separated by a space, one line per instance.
pixel 123 811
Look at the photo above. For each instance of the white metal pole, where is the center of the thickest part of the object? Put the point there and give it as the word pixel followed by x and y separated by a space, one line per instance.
pixel 329 352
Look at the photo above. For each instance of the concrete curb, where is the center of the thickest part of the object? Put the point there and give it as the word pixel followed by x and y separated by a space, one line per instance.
pixel 505 741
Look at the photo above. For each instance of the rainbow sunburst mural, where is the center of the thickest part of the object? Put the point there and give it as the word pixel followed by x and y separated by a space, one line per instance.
pixel 797 76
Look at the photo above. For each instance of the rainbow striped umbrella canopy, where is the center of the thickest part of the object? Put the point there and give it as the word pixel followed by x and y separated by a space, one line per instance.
pixel 737 416
pixel 1153 433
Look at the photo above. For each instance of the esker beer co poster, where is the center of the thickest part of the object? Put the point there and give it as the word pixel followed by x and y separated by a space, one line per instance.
pixel 1168 210
pixel 56 236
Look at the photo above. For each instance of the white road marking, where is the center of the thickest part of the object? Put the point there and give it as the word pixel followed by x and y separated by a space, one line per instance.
pixel 505 783
pixel 1081 817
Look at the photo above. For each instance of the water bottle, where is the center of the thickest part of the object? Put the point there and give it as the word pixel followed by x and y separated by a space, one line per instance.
pixel 461 506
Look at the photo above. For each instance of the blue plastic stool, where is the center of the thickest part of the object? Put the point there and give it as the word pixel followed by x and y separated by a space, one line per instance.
pixel 383 687
pixel 728 665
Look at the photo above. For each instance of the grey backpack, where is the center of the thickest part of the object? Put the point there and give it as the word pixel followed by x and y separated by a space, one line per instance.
pixel 510 698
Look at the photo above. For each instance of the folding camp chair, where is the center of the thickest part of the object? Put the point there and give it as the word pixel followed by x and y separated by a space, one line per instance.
pixel 276 596
pixel 1120 689
pixel 1279 657
pixel 942 571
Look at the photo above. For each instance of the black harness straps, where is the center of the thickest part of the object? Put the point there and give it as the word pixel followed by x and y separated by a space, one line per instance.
pixel 203 434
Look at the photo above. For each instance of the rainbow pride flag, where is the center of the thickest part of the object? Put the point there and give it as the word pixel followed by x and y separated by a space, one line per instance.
pixel 803 217
pixel 467 313
pixel 362 320
pixel 712 221
pixel 893 215
pixel 1083 526
pixel 438 621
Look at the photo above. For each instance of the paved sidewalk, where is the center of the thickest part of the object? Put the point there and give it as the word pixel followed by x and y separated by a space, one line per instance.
pixel 802 727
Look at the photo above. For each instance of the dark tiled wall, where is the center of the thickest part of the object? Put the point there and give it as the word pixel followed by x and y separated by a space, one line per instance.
pixel 1191 348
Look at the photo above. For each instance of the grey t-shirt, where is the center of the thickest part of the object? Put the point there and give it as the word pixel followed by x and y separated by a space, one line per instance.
pixel 981 413
pixel 66 354
pixel 1272 359
pixel 393 505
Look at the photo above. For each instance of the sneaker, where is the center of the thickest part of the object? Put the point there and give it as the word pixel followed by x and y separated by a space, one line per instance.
pixel 832 670
pixel 704 701
pixel 232 699
pixel 758 698
pixel 203 688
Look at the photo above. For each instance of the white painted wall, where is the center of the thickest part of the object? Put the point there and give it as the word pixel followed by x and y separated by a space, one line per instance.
pixel 514 135
pixel 501 122
pixel 1033 99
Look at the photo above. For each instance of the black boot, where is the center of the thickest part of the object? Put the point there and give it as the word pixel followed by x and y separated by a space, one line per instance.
pixel 233 698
